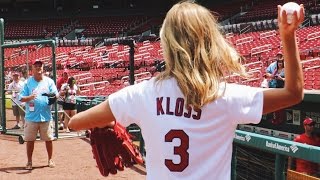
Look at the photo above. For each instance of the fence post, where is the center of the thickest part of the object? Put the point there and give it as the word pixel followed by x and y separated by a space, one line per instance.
pixel 280 167
pixel 234 163
pixel 141 144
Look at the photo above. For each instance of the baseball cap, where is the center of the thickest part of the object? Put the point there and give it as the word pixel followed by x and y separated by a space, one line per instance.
pixel 66 71
pixel 37 62
pixel 308 121
pixel 279 54
pixel 15 73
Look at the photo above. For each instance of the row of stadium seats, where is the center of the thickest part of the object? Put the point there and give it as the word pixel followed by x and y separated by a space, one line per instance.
pixel 262 10
pixel 103 70
pixel 256 64
pixel 259 11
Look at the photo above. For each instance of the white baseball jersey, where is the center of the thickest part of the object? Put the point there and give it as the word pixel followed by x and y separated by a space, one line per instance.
pixel 186 143
pixel 71 93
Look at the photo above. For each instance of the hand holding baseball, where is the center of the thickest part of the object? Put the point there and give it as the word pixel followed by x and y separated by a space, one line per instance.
pixel 290 8
pixel 285 27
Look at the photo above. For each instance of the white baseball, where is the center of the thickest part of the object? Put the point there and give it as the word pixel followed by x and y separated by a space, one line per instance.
pixel 290 8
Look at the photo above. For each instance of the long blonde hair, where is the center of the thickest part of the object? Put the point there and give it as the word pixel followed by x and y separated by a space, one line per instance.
pixel 196 53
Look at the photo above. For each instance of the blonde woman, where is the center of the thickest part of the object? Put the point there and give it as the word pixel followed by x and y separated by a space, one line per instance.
pixel 188 114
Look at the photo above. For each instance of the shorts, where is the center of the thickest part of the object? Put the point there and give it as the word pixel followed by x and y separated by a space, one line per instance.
pixel 60 102
pixel 17 111
pixel 45 129
pixel 69 106
pixel 60 107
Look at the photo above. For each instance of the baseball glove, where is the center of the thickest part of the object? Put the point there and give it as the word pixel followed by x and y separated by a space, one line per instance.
pixel 113 149
pixel 51 97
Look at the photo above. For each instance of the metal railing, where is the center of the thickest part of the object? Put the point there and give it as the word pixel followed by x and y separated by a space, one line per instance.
pixel 280 147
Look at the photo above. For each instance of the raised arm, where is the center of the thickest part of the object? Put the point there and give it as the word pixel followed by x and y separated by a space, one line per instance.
pixel 292 93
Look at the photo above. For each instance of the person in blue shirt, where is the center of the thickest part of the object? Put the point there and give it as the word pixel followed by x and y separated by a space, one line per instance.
pixel 275 72
pixel 38 116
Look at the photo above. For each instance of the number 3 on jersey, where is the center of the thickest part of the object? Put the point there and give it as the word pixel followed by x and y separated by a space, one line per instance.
pixel 181 150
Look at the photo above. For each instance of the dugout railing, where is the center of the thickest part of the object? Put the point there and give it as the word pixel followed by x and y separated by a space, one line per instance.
pixel 281 148
pixel 261 151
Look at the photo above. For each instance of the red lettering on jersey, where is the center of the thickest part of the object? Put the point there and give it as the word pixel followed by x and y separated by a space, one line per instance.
pixel 159 106
pixel 179 107
pixel 188 114
pixel 181 150
pixel 198 115
pixel 168 107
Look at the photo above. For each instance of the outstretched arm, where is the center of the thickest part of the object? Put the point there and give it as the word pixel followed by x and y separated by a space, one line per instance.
pixel 292 93
pixel 97 116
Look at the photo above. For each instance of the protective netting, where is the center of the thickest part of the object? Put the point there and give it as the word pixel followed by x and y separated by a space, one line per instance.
pixel 253 164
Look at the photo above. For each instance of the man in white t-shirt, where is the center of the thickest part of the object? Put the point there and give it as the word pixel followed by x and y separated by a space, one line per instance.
pixel 14 89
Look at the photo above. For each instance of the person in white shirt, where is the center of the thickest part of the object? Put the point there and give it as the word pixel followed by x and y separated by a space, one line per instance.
pixel 265 83
pixel 188 114
pixel 69 92
pixel 14 89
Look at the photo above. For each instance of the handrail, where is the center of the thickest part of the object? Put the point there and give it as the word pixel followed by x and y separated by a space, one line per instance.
pixel 310 60
pixel 50 42
pixel 278 146
pixel 305 23
pixel 268 34
pixel 256 62
pixel 16 103
pixel 314 35
pixel 229 35
pixel 253 78
pixel 84 74
pixel 313 67
pixel 245 29
pixel 244 40
pixel 125 78
pixel 94 83
pixel 260 49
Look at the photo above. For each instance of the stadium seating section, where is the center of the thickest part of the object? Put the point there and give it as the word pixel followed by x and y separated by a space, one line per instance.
pixel 103 69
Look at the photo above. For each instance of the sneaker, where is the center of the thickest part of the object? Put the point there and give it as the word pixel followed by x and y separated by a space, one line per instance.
pixel 16 127
pixel 61 126
pixel 29 166
pixel 51 163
